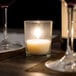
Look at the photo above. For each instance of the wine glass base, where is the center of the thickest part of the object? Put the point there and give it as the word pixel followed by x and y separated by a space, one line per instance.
pixel 58 67
pixel 65 64
pixel 6 45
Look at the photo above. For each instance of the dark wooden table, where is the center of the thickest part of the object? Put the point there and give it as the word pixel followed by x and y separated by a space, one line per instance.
pixel 16 63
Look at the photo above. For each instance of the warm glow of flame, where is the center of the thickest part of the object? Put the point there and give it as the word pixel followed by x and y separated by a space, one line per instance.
pixel 37 32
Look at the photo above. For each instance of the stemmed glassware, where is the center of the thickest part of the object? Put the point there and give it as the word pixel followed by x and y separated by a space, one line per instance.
pixel 68 62
pixel 5 44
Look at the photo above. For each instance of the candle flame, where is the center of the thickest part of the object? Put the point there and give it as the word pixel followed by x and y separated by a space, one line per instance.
pixel 37 32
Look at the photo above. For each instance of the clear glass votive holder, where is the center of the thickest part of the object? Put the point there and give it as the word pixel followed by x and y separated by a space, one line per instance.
pixel 38 37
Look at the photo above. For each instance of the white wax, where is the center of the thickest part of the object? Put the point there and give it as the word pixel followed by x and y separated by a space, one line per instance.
pixel 38 46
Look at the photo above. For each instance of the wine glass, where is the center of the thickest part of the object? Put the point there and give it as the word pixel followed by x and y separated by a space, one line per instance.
pixel 5 44
pixel 68 62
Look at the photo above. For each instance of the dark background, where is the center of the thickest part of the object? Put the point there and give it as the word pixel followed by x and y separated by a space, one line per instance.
pixel 21 10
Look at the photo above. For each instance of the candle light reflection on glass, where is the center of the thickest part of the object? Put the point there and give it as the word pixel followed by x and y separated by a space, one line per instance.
pixel 72 33
pixel 37 32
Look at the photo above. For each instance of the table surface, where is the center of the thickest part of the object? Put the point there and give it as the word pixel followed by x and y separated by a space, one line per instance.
pixel 16 63
pixel 21 65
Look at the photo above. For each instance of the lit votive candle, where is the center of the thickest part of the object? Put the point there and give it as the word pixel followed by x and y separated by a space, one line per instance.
pixel 38 37
pixel 38 46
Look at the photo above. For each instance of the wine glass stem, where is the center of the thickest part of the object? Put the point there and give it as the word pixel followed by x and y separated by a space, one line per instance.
pixel 5 25
pixel 72 28
pixel 72 39
pixel 70 31
pixel 70 50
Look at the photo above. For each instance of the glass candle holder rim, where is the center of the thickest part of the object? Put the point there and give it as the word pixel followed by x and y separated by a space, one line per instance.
pixel 38 21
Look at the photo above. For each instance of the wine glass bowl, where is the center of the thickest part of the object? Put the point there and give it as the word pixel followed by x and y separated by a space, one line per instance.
pixel 4 6
pixel 6 2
